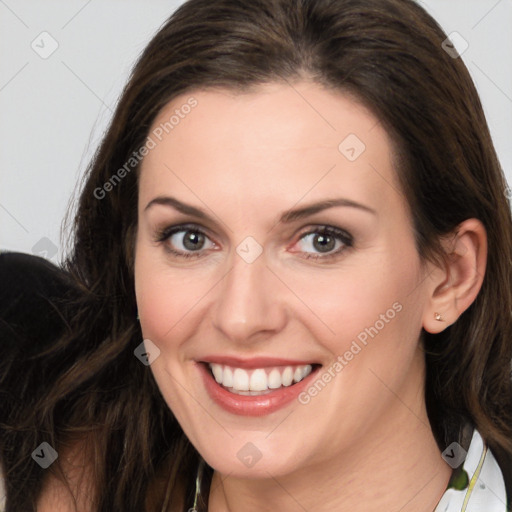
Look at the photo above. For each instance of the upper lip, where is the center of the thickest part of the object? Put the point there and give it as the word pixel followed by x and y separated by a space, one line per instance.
pixel 253 362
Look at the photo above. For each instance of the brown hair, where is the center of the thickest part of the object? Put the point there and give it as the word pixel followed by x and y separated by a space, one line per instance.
pixel 386 53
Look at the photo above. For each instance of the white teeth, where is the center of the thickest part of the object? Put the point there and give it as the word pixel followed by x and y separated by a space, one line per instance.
pixel 287 376
pixel 274 379
pixel 227 379
pixel 260 380
pixel 217 372
pixel 240 380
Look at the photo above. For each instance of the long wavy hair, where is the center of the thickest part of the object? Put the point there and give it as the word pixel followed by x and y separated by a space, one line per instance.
pixel 387 54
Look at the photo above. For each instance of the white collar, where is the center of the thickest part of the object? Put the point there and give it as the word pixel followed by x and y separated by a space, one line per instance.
pixel 486 489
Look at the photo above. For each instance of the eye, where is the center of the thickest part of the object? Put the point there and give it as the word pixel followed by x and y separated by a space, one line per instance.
pixel 185 241
pixel 324 242
pixel 190 241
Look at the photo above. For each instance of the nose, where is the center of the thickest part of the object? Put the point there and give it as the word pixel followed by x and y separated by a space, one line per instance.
pixel 250 302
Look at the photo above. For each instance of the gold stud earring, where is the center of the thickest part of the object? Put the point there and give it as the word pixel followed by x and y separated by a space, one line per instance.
pixel 438 317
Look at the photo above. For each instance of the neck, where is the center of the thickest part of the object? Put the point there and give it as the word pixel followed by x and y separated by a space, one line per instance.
pixel 395 467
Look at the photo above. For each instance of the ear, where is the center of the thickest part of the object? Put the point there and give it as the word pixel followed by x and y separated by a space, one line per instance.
pixel 454 287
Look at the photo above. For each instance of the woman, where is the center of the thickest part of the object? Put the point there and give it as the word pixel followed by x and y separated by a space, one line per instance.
pixel 299 209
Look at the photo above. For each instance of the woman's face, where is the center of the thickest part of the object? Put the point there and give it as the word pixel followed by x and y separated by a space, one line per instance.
pixel 273 241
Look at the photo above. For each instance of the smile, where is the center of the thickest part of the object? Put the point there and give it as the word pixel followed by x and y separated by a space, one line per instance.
pixel 258 381
pixel 258 388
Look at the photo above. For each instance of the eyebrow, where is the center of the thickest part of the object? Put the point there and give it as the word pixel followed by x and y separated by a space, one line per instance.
pixel 286 217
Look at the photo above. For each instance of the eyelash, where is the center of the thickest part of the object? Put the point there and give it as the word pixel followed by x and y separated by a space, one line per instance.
pixel 346 238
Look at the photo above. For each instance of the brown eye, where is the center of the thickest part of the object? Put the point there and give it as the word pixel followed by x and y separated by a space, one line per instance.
pixel 182 241
pixel 327 241
pixel 324 243
pixel 193 241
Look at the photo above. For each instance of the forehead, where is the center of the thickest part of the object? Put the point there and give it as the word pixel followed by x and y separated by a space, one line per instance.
pixel 283 140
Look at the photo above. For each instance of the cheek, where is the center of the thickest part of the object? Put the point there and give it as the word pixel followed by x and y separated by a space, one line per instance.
pixel 354 301
pixel 373 316
pixel 167 299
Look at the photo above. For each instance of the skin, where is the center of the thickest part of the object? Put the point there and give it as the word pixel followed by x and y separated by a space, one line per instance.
pixel 364 442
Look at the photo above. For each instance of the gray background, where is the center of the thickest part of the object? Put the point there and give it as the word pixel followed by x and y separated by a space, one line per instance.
pixel 53 110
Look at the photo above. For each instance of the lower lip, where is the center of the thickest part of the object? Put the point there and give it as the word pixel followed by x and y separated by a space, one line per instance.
pixel 258 405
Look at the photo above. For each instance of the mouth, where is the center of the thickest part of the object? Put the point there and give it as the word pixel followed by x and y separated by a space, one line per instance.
pixel 258 381
pixel 255 391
